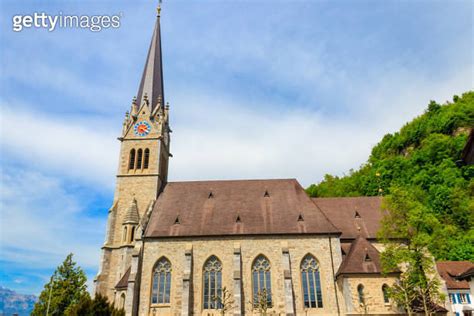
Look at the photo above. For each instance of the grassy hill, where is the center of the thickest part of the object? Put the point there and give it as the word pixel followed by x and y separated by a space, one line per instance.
pixel 423 157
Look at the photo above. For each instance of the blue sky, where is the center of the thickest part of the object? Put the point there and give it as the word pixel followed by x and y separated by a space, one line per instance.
pixel 258 89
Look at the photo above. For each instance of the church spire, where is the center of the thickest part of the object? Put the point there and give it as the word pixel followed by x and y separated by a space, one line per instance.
pixel 151 85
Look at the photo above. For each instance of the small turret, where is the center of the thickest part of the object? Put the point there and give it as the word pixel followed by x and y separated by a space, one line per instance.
pixel 134 108
pixel 130 222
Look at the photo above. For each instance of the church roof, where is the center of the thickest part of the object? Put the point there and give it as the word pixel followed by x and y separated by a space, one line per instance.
pixel 450 271
pixel 123 283
pixel 353 216
pixel 151 83
pixel 363 258
pixel 131 216
pixel 236 207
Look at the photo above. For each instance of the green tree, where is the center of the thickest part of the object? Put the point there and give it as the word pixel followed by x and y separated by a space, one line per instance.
pixel 425 155
pixel 99 306
pixel 66 288
pixel 408 219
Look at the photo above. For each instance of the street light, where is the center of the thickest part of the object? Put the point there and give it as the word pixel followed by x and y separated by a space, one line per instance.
pixel 50 292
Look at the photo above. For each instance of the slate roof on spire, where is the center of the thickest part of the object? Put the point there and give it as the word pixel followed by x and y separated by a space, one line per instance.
pixel 152 78
pixel 132 217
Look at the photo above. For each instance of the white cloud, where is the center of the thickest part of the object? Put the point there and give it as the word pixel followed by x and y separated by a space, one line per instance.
pixel 42 222
pixel 86 150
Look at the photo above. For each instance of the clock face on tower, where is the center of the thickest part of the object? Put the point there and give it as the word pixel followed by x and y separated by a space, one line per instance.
pixel 142 128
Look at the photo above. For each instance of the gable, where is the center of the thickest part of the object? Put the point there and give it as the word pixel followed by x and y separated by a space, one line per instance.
pixel 362 258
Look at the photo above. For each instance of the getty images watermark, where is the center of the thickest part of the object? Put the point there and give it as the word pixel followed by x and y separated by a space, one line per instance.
pixel 94 23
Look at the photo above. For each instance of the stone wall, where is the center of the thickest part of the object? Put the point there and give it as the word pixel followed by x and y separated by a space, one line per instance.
pixel 373 294
pixel 250 247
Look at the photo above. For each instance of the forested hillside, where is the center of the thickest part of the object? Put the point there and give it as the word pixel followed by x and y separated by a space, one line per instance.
pixel 423 157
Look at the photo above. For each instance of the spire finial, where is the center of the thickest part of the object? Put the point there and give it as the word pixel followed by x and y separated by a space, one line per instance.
pixel 158 9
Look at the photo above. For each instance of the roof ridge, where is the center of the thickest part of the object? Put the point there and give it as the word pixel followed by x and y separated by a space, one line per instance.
pixel 375 197
pixel 234 180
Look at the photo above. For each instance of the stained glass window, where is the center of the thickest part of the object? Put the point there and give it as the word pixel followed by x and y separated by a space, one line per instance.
pixel 212 283
pixel 261 280
pixel 161 285
pixel 311 281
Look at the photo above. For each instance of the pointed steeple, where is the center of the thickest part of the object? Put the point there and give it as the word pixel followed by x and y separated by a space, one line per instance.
pixel 151 84
pixel 132 217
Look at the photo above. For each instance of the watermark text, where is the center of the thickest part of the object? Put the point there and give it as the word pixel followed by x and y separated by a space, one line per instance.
pixel 94 23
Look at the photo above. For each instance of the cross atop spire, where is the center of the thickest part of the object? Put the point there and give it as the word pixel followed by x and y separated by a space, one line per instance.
pixel 152 78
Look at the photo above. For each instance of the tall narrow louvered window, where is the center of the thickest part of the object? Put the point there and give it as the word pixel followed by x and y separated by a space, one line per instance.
pixel 311 281
pixel 124 236
pixel 161 285
pixel 261 281
pixel 146 158
pixel 360 293
pixel 386 297
pixel 131 160
pixel 122 300
pixel 139 158
pixel 212 283
pixel 132 235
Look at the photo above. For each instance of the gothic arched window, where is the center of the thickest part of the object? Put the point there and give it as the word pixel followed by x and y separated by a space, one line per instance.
pixel 131 160
pixel 386 298
pixel 360 294
pixel 212 283
pixel 310 278
pixel 261 281
pixel 139 158
pixel 161 285
pixel 146 158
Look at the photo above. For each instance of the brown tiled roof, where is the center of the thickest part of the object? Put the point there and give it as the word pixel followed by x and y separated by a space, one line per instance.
pixel 123 283
pixel 362 258
pixel 236 207
pixel 353 216
pixel 450 270
pixel 417 307
pixel 467 274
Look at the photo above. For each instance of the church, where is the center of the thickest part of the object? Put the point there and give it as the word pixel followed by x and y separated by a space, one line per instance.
pixel 230 247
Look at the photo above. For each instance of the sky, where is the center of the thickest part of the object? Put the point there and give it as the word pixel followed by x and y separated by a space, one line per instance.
pixel 257 89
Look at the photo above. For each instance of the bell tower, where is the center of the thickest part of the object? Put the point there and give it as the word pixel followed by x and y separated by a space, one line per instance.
pixel 141 175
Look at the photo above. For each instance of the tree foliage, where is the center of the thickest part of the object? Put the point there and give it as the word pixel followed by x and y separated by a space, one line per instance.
pixel 65 289
pixel 423 157
pixel 99 306
pixel 66 294
pixel 409 219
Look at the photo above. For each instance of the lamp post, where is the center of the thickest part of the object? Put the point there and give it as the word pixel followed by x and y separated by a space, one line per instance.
pixel 49 296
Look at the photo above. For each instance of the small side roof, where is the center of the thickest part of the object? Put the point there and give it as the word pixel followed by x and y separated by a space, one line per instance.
pixel 236 207
pixel 450 271
pixel 363 258
pixel 123 283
